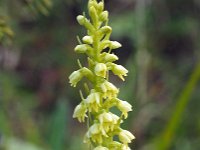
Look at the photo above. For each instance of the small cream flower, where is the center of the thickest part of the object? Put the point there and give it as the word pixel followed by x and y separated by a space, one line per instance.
pixel 101 148
pixel 75 77
pixel 108 121
pixel 100 70
pixel 125 147
pixel 119 70
pixel 109 90
pixel 126 136
pixel 105 117
pixel 114 145
pixel 93 101
pixel 96 133
pixel 124 107
pixel 80 112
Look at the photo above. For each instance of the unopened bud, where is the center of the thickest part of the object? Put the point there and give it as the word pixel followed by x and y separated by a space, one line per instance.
pixel 81 48
pixel 93 15
pixel 115 45
pixel 110 57
pixel 81 19
pixel 106 29
pixel 87 39
pixel 104 16
pixel 92 3
pixel 100 6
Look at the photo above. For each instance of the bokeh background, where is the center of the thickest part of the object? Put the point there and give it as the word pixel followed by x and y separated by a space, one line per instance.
pixel 161 42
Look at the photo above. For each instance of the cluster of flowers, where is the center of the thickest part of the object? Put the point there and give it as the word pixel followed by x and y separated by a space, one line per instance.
pixel 103 124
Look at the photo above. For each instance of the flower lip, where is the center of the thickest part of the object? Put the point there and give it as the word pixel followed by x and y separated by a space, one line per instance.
pixel 100 70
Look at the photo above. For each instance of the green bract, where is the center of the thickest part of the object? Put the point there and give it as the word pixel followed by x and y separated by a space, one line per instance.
pixel 102 94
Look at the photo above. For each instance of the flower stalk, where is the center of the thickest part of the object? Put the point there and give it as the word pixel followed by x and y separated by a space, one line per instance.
pixel 103 125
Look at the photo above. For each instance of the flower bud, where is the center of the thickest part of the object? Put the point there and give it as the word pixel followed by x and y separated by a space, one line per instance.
pixel 92 3
pixel 81 19
pixel 81 48
pixel 100 6
pixel 80 112
pixel 100 70
pixel 106 29
pixel 75 77
pixel 104 44
pixel 110 57
pixel 115 45
pixel 87 39
pixel 126 136
pixel 104 16
pixel 93 15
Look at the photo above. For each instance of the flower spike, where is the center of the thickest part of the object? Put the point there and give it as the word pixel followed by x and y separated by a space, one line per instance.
pixel 102 95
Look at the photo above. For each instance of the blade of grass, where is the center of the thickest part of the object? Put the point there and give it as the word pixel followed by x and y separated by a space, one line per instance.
pixel 169 132
pixel 58 127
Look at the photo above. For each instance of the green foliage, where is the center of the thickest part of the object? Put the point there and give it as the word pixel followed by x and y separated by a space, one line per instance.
pixel 182 103
pixel 39 6
pixel 6 34
pixel 58 127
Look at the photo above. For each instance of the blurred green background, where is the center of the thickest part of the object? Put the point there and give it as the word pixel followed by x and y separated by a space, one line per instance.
pixel 160 49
